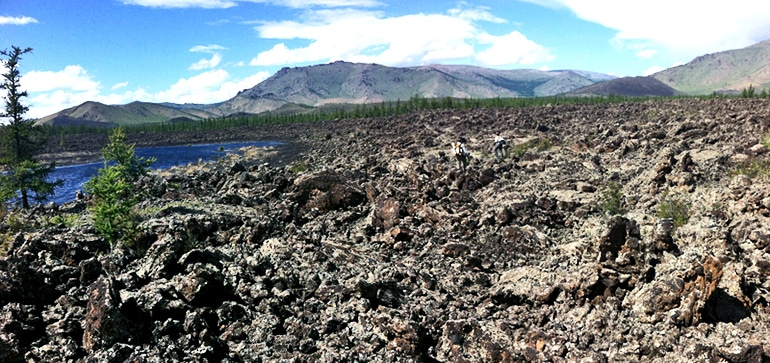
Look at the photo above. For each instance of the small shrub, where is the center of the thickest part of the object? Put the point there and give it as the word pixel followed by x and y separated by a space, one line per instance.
pixel 766 141
pixel 719 211
pixel 5 243
pixel 754 168
pixel 675 207
pixel 612 200
pixel 16 223
pixel 66 220
pixel 544 145
pixel 299 167
pixel 519 150
pixel 539 145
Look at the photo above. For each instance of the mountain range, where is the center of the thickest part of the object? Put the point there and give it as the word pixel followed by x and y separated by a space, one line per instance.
pixel 305 88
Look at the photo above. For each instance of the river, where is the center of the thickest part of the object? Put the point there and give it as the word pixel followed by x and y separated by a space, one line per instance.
pixel 75 176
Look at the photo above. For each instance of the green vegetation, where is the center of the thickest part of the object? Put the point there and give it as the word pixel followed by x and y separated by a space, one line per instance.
pixel 751 93
pixel 675 207
pixel 612 200
pixel 538 144
pixel 65 219
pixel 25 177
pixel 114 191
pixel 345 111
pixel 753 168
pixel 299 167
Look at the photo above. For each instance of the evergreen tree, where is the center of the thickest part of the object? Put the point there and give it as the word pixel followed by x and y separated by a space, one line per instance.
pixel 24 176
pixel 114 188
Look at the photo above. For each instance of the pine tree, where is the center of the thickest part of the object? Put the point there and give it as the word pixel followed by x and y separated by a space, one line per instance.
pixel 24 177
pixel 114 188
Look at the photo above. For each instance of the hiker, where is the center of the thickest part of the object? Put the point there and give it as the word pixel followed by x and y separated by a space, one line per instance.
pixel 499 147
pixel 461 154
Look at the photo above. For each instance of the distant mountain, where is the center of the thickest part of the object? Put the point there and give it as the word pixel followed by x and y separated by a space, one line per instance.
pixel 302 89
pixel 357 83
pixel 723 72
pixel 98 114
pixel 628 86
pixel 564 83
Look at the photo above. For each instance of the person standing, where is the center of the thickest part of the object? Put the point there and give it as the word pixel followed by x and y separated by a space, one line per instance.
pixel 461 154
pixel 499 147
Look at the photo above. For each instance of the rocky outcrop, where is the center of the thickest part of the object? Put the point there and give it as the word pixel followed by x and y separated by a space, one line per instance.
pixel 373 246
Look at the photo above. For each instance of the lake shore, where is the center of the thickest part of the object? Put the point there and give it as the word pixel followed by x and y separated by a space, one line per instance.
pixel 86 148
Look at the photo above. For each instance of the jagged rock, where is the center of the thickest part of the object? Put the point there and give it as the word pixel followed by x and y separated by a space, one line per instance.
pixel 326 191
pixel 369 245
pixel 104 323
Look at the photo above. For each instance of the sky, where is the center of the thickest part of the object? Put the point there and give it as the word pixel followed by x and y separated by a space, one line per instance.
pixel 206 51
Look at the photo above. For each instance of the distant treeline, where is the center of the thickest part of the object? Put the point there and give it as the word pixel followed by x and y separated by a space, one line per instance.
pixel 347 111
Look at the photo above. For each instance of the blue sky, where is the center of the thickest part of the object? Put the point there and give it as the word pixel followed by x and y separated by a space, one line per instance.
pixel 205 51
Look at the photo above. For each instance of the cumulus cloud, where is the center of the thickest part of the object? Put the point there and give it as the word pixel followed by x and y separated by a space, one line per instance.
pixel 513 48
pixel 646 53
pixel 73 77
pixel 223 4
pixel 206 4
pixel 652 70
pixel 51 92
pixel 301 4
pixel 687 27
pixel 19 20
pixel 207 63
pixel 202 64
pixel 415 39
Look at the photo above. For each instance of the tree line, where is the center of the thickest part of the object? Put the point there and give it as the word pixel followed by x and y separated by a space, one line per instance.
pixel 345 111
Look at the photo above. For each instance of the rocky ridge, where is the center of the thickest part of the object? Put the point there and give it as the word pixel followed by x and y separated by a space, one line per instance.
pixel 372 246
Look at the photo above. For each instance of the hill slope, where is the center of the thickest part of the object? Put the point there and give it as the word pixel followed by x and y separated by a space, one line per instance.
pixel 98 114
pixel 339 83
pixel 723 72
pixel 343 82
pixel 628 86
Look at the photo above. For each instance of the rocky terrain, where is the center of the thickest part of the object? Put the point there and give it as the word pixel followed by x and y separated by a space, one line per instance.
pixel 371 246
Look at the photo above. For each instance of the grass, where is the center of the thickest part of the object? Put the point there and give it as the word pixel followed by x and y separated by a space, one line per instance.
pixel 757 167
pixel 753 168
pixel 538 144
pixel 66 220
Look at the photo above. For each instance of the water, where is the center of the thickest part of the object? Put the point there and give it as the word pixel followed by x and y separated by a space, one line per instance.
pixel 75 176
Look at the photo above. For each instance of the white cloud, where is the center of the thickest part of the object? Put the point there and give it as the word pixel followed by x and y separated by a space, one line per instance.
pixel 120 85
pixel 202 64
pixel 652 70
pixel 206 4
pixel 72 77
pixel 513 48
pixel 211 48
pixel 477 14
pixel 646 53
pixel 51 92
pixel 301 4
pixel 20 20
pixel 195 89
pixel 223 4
pixel 416 39
pixel 229 89
pixel 686 28
pixel 207 63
